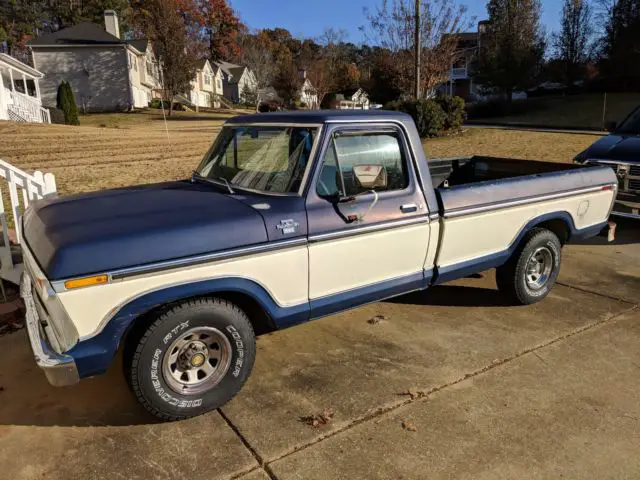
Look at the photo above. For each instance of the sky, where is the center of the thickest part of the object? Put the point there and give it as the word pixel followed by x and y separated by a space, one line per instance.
pixel 307 18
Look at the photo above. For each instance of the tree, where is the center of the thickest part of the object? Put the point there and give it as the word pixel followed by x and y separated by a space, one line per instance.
pixel 161 21
pixel 320 79
pixel 222 27
pixel 574 40
pixel 67 103
pixel 392 26
pixel 621 45
pixel 512 48
pixel 287 82
pixel 257 55
pixel 347 76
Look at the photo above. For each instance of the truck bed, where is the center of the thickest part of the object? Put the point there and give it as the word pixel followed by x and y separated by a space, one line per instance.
pixel 466 183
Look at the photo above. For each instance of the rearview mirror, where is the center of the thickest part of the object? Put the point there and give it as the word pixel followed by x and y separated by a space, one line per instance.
pixel 610 126
pixel 370 177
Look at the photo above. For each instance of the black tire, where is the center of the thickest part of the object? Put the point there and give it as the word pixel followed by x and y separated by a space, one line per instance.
pixel 146 352
pixel 511 278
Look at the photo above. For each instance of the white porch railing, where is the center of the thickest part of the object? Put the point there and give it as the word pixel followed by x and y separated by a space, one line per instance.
pixel 28 108
pixel 32 187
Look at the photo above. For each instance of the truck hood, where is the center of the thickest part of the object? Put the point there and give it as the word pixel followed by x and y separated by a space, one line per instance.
pixel 102 231
pixel 615 147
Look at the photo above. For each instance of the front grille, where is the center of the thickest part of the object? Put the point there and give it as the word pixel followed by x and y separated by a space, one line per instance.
pixel 628 181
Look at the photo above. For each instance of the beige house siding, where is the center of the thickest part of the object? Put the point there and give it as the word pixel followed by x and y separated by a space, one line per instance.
pixel 98 76
pixel 203 94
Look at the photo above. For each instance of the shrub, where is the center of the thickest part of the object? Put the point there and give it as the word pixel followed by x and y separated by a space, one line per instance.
pixel 427 115
pixel 67 103
pixel 454 110
pixel 57 116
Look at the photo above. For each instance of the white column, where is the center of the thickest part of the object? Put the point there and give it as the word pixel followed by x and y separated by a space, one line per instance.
pixel 13 87
pixel 3 101
pixel 24 82
pixel 37 82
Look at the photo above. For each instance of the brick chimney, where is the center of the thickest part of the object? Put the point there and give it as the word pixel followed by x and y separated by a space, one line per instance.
pixel 111 23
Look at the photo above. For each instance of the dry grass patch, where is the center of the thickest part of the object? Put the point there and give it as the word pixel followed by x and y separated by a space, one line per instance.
pixel 92 158
pixel 551 147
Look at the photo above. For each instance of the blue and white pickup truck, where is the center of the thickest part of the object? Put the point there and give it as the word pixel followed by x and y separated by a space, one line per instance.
pixel 289 217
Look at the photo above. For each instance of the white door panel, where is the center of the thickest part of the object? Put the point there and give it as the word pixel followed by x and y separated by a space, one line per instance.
pixel 344 264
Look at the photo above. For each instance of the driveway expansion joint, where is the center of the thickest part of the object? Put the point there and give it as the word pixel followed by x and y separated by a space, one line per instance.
pixel 378 412
pixel 599 294
pixel 262 465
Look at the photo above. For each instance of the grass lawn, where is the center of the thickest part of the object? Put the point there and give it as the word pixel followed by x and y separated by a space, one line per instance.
pixel 573 110
pixel 151 116
pixel 89 158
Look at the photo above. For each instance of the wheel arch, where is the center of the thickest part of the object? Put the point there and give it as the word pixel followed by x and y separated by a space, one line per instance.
pixel 94 354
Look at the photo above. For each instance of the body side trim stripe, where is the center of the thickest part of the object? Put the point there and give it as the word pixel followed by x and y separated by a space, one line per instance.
pixel 58 285
pixel 523 201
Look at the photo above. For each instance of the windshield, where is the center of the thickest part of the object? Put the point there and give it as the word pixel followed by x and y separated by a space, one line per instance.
pixel 268 159
pixel 631 126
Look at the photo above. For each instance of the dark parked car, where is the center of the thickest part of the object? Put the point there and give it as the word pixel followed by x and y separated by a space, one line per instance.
pixel 621 151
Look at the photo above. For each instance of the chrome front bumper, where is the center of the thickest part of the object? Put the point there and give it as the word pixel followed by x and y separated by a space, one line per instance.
pixel 60 369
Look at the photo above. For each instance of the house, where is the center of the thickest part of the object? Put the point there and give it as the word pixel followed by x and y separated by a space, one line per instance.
pixel 354 99
pixel 207 87
pixel 106 73
pixel 237 80
pixel 20 92
pixel 460 80
pixel 305 96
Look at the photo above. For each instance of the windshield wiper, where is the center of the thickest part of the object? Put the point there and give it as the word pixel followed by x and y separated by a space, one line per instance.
pixel 196 177
pixel 226 182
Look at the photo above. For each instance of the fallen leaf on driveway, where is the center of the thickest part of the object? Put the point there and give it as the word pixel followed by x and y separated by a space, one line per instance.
pixel 375 320
pixel 408 426
pixel 322 418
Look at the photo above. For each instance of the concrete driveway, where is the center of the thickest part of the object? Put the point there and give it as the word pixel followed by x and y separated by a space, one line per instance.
pixel 449 384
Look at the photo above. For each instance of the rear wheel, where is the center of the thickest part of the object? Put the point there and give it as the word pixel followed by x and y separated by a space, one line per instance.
pixel 192 358
pixel 532 270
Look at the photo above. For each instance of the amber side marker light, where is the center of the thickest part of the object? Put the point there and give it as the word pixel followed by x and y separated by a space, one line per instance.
pixel 85 282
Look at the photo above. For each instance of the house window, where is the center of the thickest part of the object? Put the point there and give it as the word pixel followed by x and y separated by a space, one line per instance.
pixel 207 79
pixel 220 84
pixel 150 69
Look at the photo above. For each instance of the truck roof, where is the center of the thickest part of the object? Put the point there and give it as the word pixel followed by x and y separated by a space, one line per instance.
pixel 320 116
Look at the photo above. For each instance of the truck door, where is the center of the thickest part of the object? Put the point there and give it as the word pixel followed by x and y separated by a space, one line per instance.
pixel 367 217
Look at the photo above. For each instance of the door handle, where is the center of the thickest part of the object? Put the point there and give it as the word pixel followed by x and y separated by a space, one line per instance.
pixel 408 208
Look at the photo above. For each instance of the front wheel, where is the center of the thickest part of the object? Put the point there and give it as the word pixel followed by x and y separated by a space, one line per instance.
pixel 192 358
pixel 533 268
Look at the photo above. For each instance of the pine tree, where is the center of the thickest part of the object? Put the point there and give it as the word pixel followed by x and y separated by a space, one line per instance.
pixel 67 103
pixel 512 48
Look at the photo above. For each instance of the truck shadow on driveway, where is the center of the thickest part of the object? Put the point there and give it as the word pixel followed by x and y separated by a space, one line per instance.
pixel 454 296
pixel 27 399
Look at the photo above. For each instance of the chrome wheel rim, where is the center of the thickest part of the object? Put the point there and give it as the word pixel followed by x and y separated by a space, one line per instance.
pixel 539 268
pixel 197 360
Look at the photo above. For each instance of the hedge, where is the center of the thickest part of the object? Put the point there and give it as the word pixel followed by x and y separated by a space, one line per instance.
pixel 433 117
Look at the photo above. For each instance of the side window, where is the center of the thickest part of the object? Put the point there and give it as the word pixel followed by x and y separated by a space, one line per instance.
pixel 328 181
pixel 360 162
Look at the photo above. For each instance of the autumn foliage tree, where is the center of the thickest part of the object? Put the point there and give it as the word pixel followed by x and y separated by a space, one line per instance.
pixel 161 21
pixel 287 81
pixel 222 27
